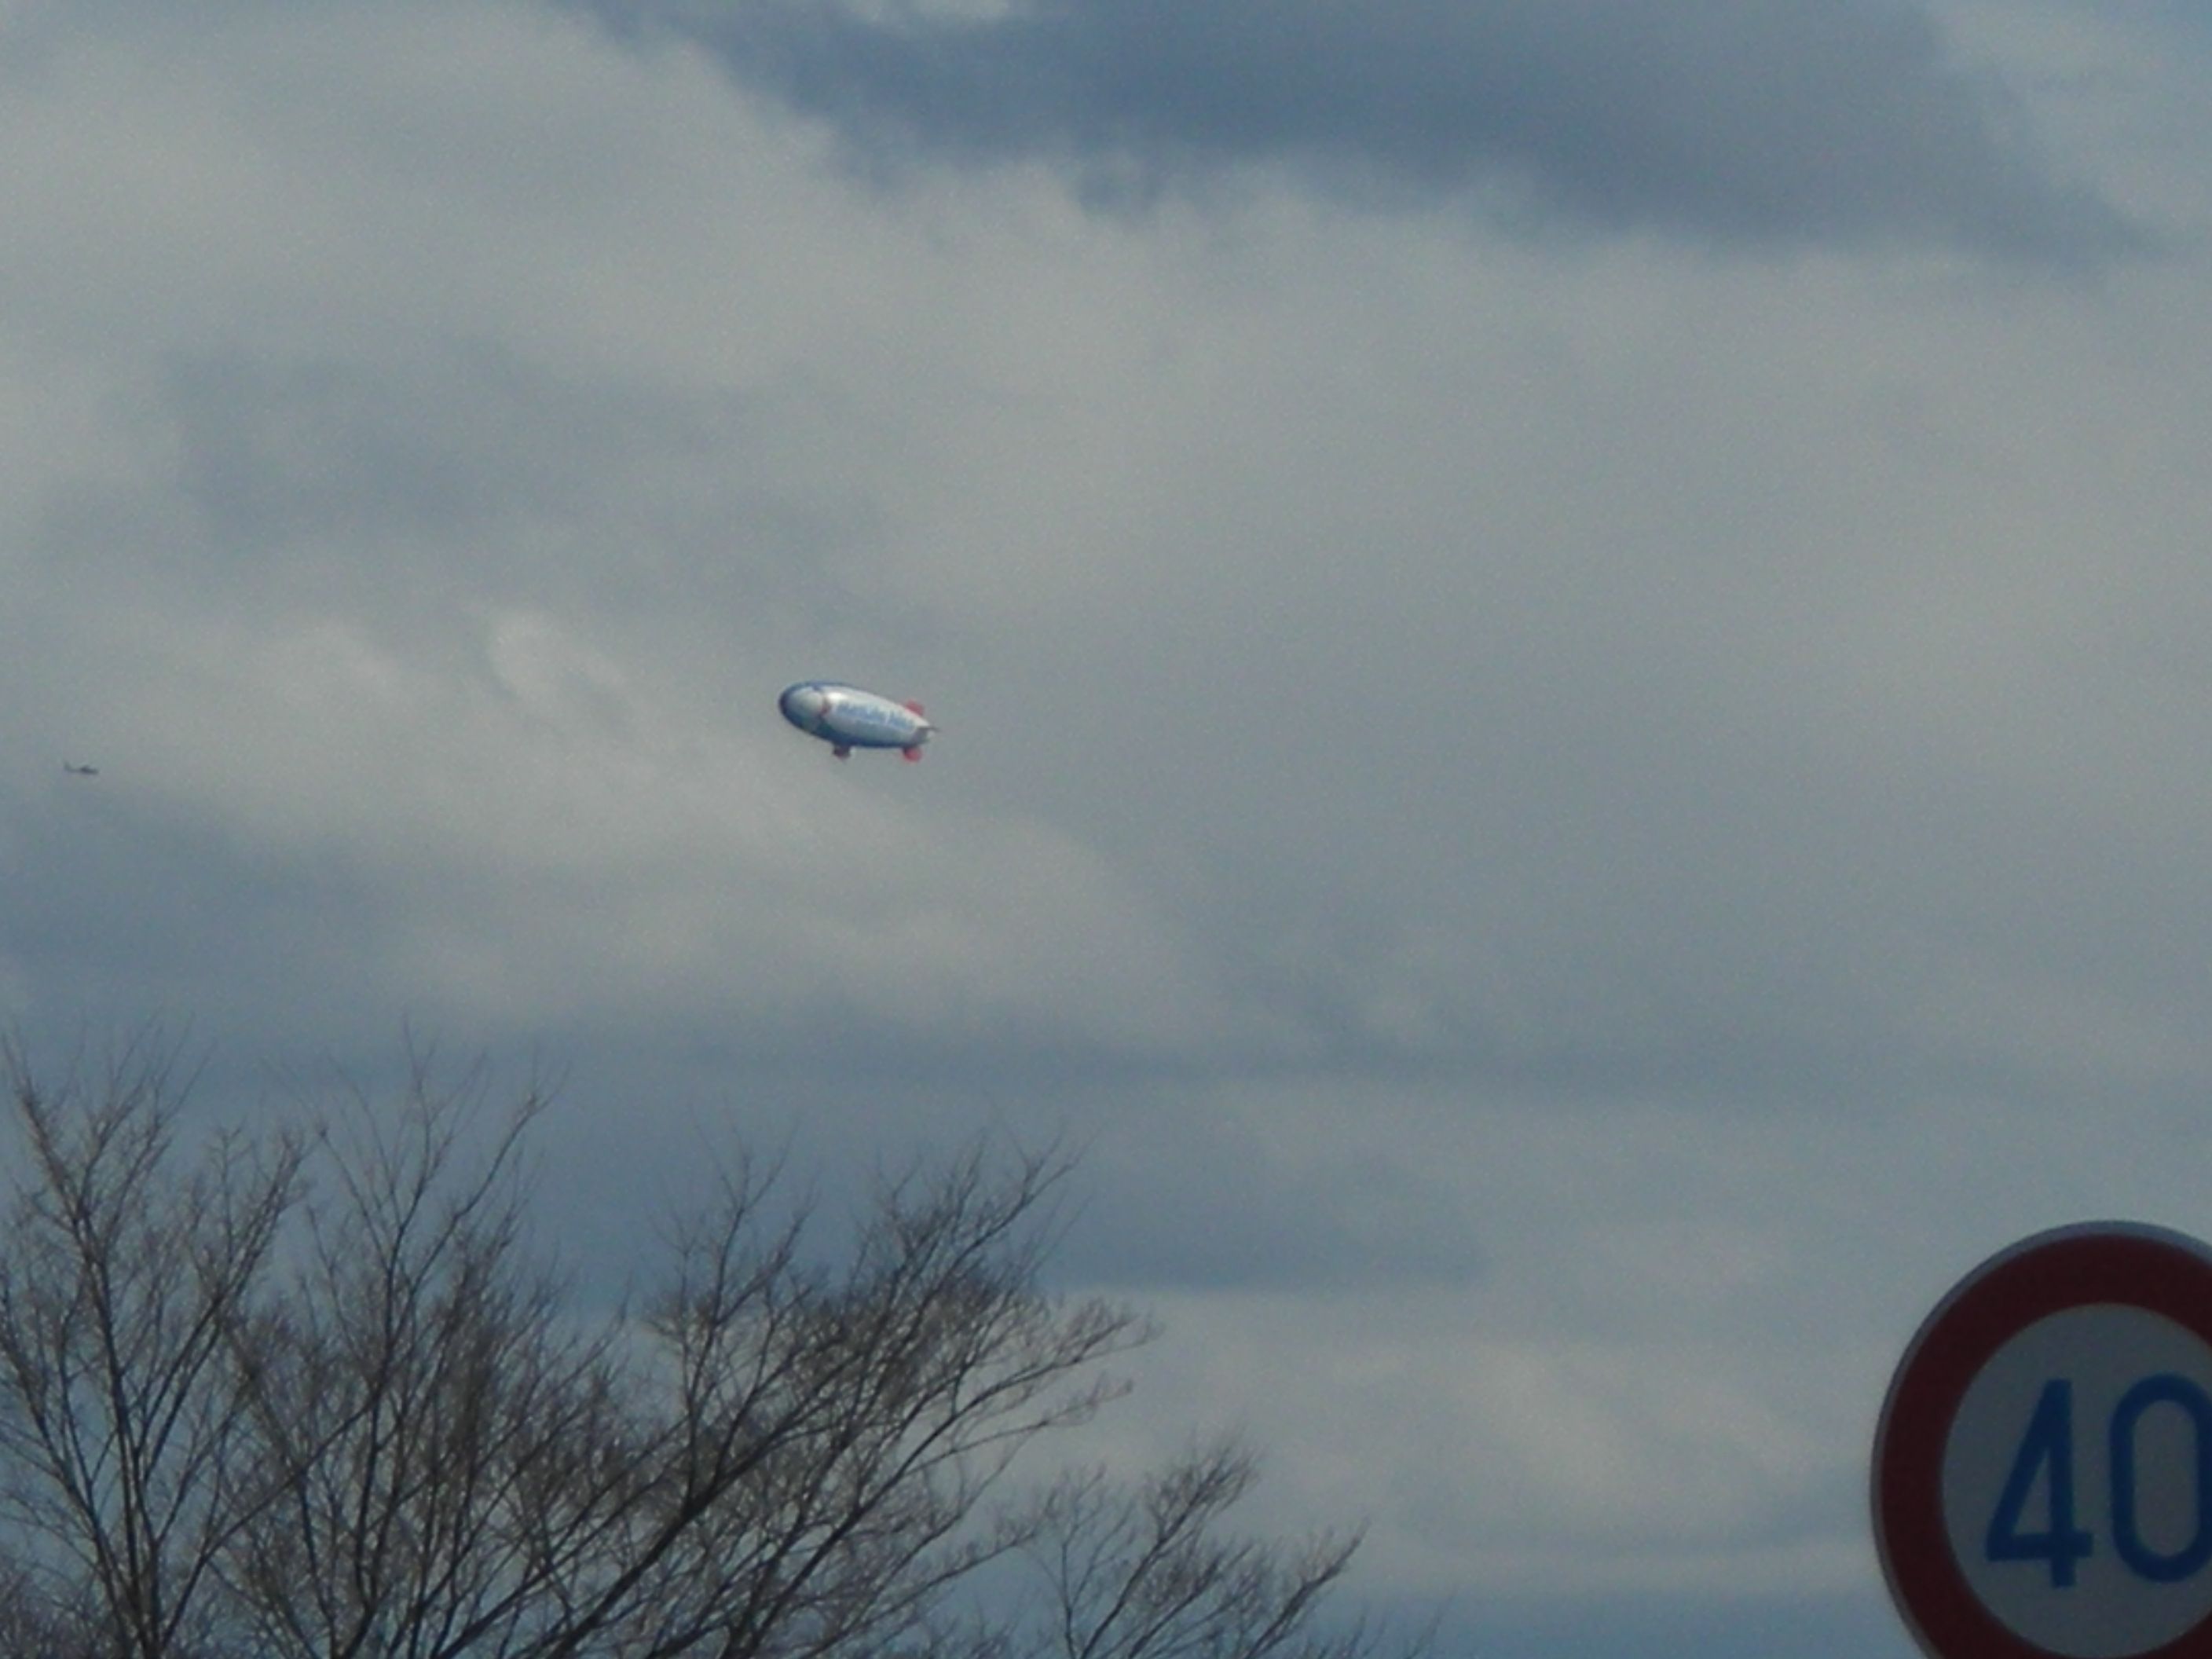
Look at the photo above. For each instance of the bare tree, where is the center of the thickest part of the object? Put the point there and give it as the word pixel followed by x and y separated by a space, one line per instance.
pixel 439 1431
pixel 841 1431
pixel 125 1272
pixel 319 1398
pixel 775 1459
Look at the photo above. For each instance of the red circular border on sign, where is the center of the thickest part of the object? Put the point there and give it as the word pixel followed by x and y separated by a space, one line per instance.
pixel 2167 1274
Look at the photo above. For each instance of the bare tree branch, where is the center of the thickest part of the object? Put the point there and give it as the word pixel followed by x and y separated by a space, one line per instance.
pixel 127 1270
pixel 1148 1572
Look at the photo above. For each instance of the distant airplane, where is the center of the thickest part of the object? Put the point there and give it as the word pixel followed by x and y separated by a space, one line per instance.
pixel 847 717
pixel 76 771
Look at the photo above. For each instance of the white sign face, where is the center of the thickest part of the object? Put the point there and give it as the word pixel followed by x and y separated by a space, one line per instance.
pixel 2077 1482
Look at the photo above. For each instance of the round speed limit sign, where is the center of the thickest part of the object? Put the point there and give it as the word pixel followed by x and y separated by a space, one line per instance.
pixel 2043 1470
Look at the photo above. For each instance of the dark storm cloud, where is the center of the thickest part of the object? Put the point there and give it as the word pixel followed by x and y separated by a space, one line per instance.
pixel 1842 120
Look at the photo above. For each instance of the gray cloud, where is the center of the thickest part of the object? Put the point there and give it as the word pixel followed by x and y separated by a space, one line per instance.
pixel 1844 121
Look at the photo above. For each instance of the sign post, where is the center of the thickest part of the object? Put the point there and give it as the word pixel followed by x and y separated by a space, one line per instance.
pixel 2043 1469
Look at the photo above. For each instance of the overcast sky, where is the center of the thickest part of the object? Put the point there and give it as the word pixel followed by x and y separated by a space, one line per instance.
pixel 1573 642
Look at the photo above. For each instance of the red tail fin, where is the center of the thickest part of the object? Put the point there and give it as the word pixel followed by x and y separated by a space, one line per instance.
pixel 912 707
pixel 913 754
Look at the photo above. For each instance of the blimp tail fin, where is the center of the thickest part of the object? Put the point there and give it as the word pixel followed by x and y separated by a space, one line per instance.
pixel 914 753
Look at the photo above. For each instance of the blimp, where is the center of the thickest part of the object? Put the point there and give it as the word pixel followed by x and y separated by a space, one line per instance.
pixel 847 717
